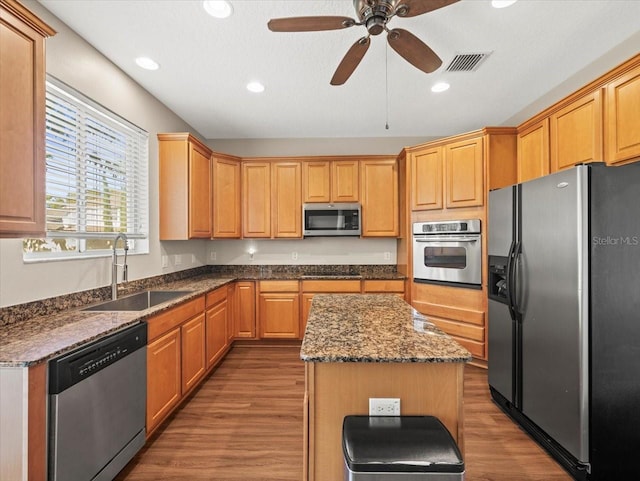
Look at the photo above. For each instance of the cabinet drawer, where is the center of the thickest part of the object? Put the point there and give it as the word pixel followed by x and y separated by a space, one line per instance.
pixel 214 297
pixel 331 286
pixel 475 348
pixel 278 286
pixel 384 286
pixel 459 329
pixel 158 325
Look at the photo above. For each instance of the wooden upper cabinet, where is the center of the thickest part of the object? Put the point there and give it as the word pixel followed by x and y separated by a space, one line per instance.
pixel 185 187
pixel 426 179
pixel 330 181
pixel 226 198
pixel 533 151
pixel 623 118
pixel 22 121
pixel 256 199
pixel 464 173
pixel 379 197
pixel 287 199
pixel 200 218
pixel 344 180
pixel 576 132
pixel 316 181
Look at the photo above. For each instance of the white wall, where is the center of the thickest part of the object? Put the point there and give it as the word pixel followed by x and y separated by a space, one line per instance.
pixel 309 251
pixel 319 146
pixel 75 62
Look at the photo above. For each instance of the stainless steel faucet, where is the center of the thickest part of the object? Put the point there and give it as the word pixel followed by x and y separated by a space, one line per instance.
pixel 114 266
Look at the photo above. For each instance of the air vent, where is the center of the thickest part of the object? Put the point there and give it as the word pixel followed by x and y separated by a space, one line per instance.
pixel 467 62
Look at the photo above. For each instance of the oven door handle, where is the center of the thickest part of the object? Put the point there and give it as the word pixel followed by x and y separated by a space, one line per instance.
pixel 446 239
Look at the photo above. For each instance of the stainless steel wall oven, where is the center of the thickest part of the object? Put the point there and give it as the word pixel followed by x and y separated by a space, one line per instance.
pixel 448 252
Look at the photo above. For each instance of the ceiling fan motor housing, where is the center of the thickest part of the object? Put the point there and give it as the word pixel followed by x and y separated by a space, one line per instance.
pixel 374 14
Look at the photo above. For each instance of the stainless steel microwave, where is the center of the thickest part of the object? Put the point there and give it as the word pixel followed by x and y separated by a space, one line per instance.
pixel 339 219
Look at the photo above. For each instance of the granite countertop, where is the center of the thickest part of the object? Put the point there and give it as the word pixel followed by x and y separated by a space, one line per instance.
pixel 374 328
pixel 41 338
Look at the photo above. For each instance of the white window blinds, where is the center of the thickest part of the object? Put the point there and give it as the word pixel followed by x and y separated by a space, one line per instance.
pixel 96 169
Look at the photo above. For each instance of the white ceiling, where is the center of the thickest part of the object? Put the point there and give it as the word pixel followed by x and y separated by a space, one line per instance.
pixel 205 63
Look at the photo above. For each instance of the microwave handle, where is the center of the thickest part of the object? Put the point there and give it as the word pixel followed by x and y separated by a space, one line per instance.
pixel 447 239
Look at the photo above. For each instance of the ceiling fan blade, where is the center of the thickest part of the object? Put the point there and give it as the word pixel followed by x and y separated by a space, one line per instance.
pixel 413 50
pixel 350 61
pixel 413 8
pixel 309 24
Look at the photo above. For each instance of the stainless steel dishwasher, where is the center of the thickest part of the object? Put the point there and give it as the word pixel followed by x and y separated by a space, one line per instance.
pixel 97 402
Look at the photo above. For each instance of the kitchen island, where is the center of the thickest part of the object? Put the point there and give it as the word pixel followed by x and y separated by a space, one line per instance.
pixel 357 347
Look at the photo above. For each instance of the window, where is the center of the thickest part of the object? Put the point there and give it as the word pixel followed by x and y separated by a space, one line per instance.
pixel 96 179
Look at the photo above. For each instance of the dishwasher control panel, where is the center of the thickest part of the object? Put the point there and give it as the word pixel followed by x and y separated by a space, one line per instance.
pixel 71 368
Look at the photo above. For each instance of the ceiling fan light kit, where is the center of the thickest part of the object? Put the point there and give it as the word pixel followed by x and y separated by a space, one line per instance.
pixel 374 15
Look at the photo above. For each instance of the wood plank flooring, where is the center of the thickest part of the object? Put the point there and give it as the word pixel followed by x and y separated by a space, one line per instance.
pixel 245 423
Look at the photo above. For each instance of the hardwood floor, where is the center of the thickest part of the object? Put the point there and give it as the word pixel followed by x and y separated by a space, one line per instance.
pixel 245 423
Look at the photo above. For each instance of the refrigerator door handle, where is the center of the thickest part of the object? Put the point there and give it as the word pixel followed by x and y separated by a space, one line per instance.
pixel 510 262
pixel 513 298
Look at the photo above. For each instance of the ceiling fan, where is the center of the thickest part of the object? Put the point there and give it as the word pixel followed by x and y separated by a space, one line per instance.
pixel 374 15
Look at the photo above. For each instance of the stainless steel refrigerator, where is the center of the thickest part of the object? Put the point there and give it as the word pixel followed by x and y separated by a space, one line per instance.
pixel 564 315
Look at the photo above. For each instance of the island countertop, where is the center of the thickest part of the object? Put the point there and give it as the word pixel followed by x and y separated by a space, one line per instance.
pixel 374 328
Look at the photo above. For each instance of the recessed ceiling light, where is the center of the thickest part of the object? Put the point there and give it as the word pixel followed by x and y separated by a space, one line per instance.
pixel 255 87
pixel 147 63
pixel 440 87
pixel 502 3
pixel 218 8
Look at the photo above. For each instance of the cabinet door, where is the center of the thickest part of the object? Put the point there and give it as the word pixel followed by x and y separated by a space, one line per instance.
pixel 279 315
pixel 226 199
pixel 200 218
pixel 193 352
pixel 245 325
pixel 287 199
pixel 232 311
pixel 379 194
pixel 576 133
pixel 345 176
pixel 163 377
pixel 533 151
pixel 464 175
pixel 426 179
pixel 306 307
pixel 316 181
pixel 623 118
pixel 256 199
pixel 22 125
pixel 216 332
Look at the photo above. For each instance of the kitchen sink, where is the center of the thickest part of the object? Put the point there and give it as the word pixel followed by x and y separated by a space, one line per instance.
pixel 138 302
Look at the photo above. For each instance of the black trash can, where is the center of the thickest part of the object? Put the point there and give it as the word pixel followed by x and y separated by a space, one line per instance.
pixel 407 448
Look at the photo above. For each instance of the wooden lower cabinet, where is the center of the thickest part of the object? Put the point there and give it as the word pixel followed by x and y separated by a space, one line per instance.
pixel 163 377
pixel 245 322
pixel 279 310
pixel 193 352
pixel 459 312
pixel 311 288
pixel 217 339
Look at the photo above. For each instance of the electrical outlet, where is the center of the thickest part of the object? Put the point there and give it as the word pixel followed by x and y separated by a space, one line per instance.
pixel 387 256
pixel 177 260
pixel 294 256
pixel 384 406
pixel 193 258
pixel 212 255
pixel 165 261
